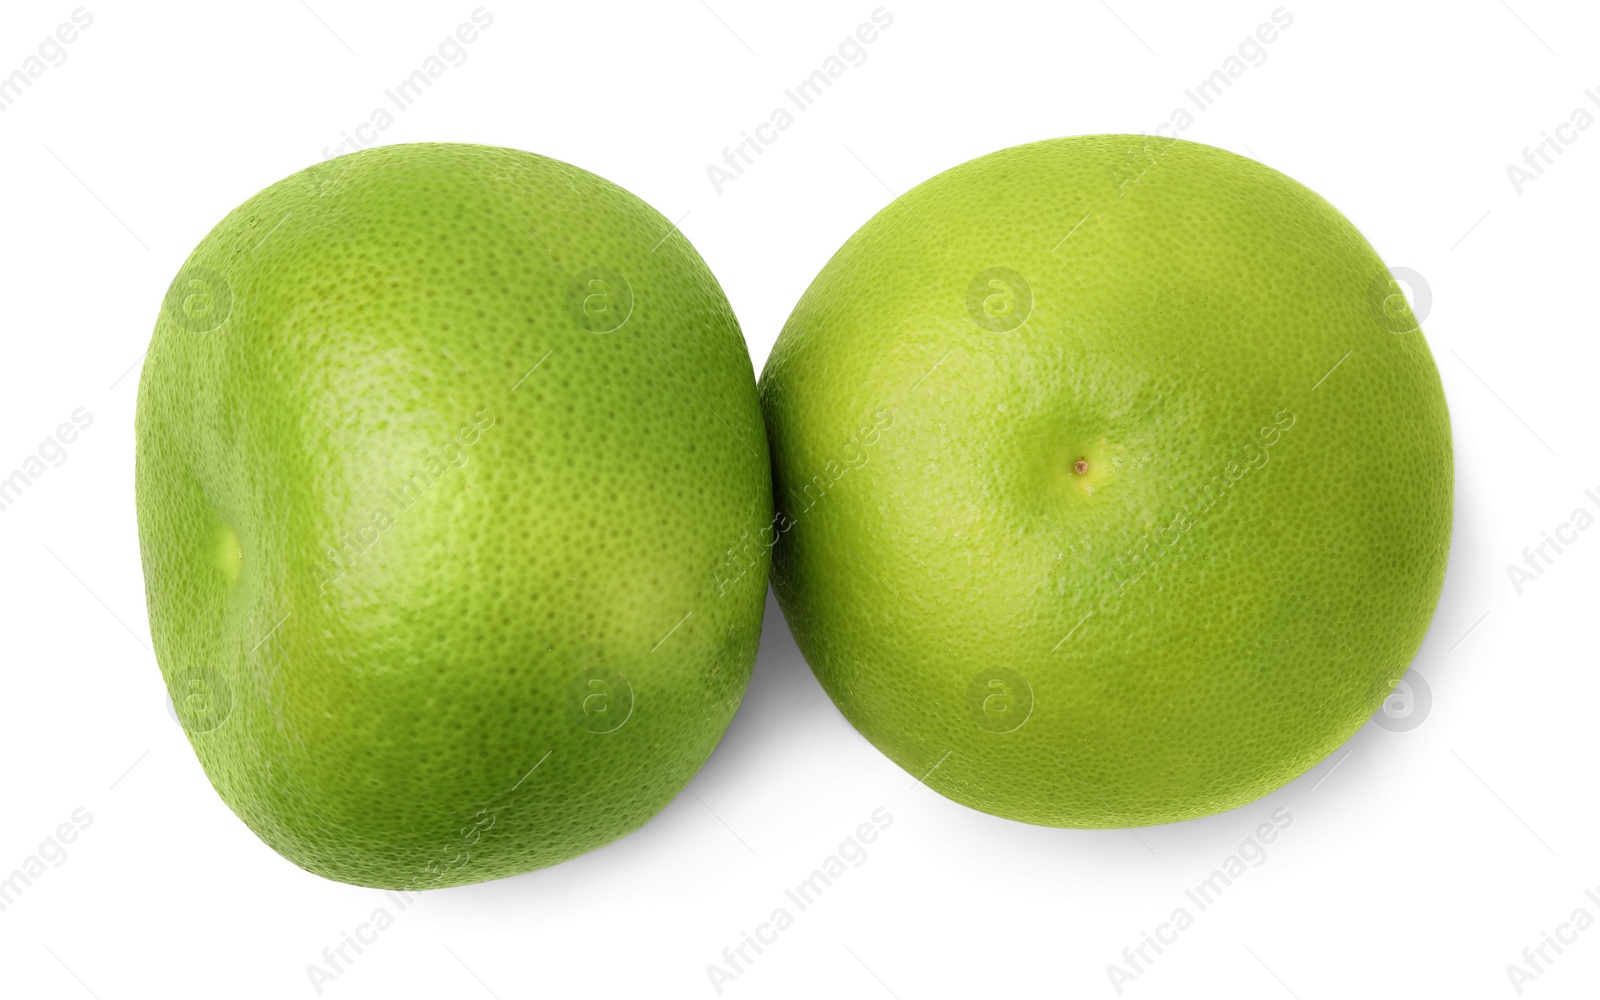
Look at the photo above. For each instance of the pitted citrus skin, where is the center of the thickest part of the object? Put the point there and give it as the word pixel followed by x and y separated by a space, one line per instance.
pixel 1159 504
pixel 441 453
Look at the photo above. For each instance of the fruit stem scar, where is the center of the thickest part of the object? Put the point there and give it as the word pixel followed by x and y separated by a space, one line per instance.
pixel 1081 466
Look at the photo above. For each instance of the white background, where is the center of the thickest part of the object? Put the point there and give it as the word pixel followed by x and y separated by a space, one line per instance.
pixel 1418 863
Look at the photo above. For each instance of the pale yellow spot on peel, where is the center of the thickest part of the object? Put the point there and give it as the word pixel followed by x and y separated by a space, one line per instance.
pixel 227 553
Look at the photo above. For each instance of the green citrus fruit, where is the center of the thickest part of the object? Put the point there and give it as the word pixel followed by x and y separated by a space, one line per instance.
pixel 1113 479
pixel 441 453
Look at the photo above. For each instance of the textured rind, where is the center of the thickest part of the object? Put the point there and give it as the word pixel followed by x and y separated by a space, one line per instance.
pixel 509 499
pixel 1212 619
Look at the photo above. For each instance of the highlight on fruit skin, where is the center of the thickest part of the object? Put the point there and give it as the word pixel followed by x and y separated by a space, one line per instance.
pixel 442 450
pixel 1162 508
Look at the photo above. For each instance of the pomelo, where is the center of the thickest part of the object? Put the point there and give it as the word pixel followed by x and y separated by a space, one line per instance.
pixel 441 452
pixel 1113 479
